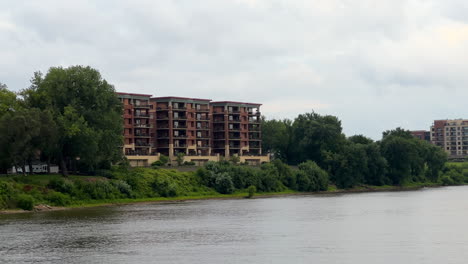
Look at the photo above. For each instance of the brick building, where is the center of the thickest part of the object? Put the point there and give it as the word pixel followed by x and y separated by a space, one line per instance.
pixel 422 134
pixel 452 136
pixel 200 129
pixel 137 123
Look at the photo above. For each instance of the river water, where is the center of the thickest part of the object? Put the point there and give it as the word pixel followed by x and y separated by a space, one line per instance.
pixel 425 226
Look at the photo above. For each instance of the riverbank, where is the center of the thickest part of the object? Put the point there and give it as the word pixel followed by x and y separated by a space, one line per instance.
pixel 240 195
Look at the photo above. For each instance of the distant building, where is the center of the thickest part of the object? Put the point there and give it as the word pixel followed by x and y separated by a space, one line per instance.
pixel 200 129
pixel 422 134
pixel 452 136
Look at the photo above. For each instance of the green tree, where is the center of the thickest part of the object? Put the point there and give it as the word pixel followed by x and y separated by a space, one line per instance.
pixel 311 177
pixel 87 112
pixel 314 135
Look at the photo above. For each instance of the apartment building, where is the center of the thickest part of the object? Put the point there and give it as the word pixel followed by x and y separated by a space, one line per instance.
pixel 422 134
pixel 200 129
pixel 137 124
pixel 236 128
pixel 182 125
pixel 452 136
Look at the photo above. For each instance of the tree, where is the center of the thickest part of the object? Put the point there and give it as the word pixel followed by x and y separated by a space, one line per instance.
pixel 313 135
pixel 311 177
pixel 353 166
pixel 87 113
pixel 8 100
pixel 180 158
pixel 276 138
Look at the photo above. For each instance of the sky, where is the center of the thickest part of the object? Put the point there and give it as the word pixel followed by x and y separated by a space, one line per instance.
pixel 376 65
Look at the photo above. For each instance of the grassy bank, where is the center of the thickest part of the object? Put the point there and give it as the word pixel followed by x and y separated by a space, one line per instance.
pixel 215 181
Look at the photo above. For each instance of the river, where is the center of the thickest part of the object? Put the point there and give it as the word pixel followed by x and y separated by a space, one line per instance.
pixel 424 226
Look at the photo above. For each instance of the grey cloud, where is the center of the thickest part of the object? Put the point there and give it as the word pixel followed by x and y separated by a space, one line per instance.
pixel 375 64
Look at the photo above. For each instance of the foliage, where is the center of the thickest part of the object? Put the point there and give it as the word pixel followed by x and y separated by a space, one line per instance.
pixel 180 158
pixel 25 202
pixel 86 113
pixel 311 178
pixel 251 191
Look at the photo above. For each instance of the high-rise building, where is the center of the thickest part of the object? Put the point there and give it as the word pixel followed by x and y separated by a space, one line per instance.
pixel 452 136
pixel 182 125
pixel 137 124
pixel 236 128
pixel 200 129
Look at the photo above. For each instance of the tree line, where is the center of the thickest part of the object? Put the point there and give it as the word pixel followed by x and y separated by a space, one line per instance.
pixel 396 159
pixel 69 116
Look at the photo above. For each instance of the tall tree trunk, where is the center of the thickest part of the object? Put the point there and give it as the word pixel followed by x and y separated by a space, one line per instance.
pixel 63 166
pixel 30 166
pixel 48 165
pixel 23 166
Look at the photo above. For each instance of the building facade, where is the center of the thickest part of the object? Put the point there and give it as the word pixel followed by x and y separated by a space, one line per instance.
pixel 422 134
pixel 452 136
pixel 200 129
pixel 137 124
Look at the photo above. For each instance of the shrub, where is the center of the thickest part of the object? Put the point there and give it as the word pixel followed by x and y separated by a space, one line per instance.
pixel 223 183
pixel 251 191
pixel 446 180
pixel 25 202
pixel 60 185
pixel 163 159
pixel 311 177
pixel 59 199
pixel 123 188
pixel 189 163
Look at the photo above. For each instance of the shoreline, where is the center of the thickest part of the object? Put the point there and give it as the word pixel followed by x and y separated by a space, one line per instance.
pixel 362 189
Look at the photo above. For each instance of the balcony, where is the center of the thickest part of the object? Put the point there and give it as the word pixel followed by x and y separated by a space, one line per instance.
pixel 183 108
pixel 203 128
pixel 143 106
pixel 180 146
pixel 203 119
pixel 162 127
pixel 253 121
pixel 162 136
pixel 142 116
pixel 180 118
pixel 180 127
pixel 142 125
pixel 203 137
pixel 162 109
pixel 203 146
pixel 181 136
pixel 257 113
pixel 234 129
pixel 142 135
pixel 234 121
pixel 219 139
pixel 218 121
pixel 142 144
pixel 162 118
pixel 202 110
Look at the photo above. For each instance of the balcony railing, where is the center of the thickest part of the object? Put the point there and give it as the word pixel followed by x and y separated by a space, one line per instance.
pixel 142 144
pixel 142 135
pixel 141 106
pixel 142 125
pixel 142 115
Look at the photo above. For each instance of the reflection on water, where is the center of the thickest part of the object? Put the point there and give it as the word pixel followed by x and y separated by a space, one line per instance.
pixel 427 226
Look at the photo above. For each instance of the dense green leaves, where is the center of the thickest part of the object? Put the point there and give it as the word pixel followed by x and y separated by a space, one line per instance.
pixel 70 116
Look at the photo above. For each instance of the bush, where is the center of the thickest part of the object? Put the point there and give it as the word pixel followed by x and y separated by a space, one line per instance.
pixel 60 185
pixel 223 183
pixel 189 163
pixel 311 177
pixel 25 202
pixel 163 159
pixel 251 191
pixel 7 192
pixel 58 199
pixel 446 180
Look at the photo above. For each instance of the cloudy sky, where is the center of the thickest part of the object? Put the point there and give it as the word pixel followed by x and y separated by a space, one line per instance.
pixel 374 64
